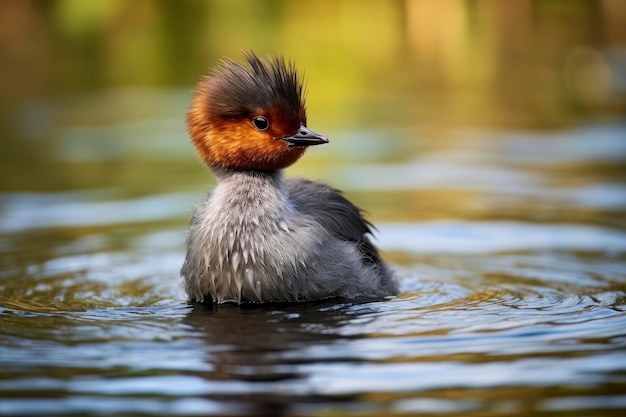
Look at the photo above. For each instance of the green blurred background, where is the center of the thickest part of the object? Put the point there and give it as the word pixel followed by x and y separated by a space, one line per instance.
pixel 89 89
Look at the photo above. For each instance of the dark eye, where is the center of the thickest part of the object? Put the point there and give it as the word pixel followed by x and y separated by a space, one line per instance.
pixel 261 123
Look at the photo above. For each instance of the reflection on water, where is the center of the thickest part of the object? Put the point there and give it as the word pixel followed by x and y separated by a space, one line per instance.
pixel 509 242
pixel 470 333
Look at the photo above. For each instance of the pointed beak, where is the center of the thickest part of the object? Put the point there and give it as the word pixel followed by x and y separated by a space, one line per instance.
pixel 305 137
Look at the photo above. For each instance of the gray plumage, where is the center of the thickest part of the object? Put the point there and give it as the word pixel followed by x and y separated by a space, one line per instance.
pixel 261 238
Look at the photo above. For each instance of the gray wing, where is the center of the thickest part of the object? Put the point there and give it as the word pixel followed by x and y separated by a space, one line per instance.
pixel 335 213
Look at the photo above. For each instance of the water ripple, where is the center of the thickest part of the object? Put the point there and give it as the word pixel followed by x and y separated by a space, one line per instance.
pixel 456 236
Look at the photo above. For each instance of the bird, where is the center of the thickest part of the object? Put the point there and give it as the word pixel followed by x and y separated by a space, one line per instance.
pixel 260 237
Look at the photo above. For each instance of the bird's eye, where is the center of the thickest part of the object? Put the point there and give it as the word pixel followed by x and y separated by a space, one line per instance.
pixel 261 123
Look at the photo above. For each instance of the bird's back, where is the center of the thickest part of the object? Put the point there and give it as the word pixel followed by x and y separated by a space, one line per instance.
pixel 341 219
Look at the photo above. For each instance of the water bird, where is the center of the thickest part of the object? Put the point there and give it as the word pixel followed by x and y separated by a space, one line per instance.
pixel 260 237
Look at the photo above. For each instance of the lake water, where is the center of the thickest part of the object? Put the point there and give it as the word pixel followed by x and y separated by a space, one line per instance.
pixel 510 248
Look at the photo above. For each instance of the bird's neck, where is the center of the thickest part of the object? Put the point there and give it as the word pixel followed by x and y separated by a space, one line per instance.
pixel 246 182
pixel 225 175
pixel 250 194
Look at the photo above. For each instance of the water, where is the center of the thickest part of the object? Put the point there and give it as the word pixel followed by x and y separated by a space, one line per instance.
pixel 510 250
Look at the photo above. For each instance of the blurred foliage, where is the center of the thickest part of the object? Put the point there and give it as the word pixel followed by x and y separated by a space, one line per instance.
pixel 526 63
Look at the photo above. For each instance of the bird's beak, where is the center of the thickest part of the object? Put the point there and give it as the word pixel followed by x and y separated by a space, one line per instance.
pixel 304 137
